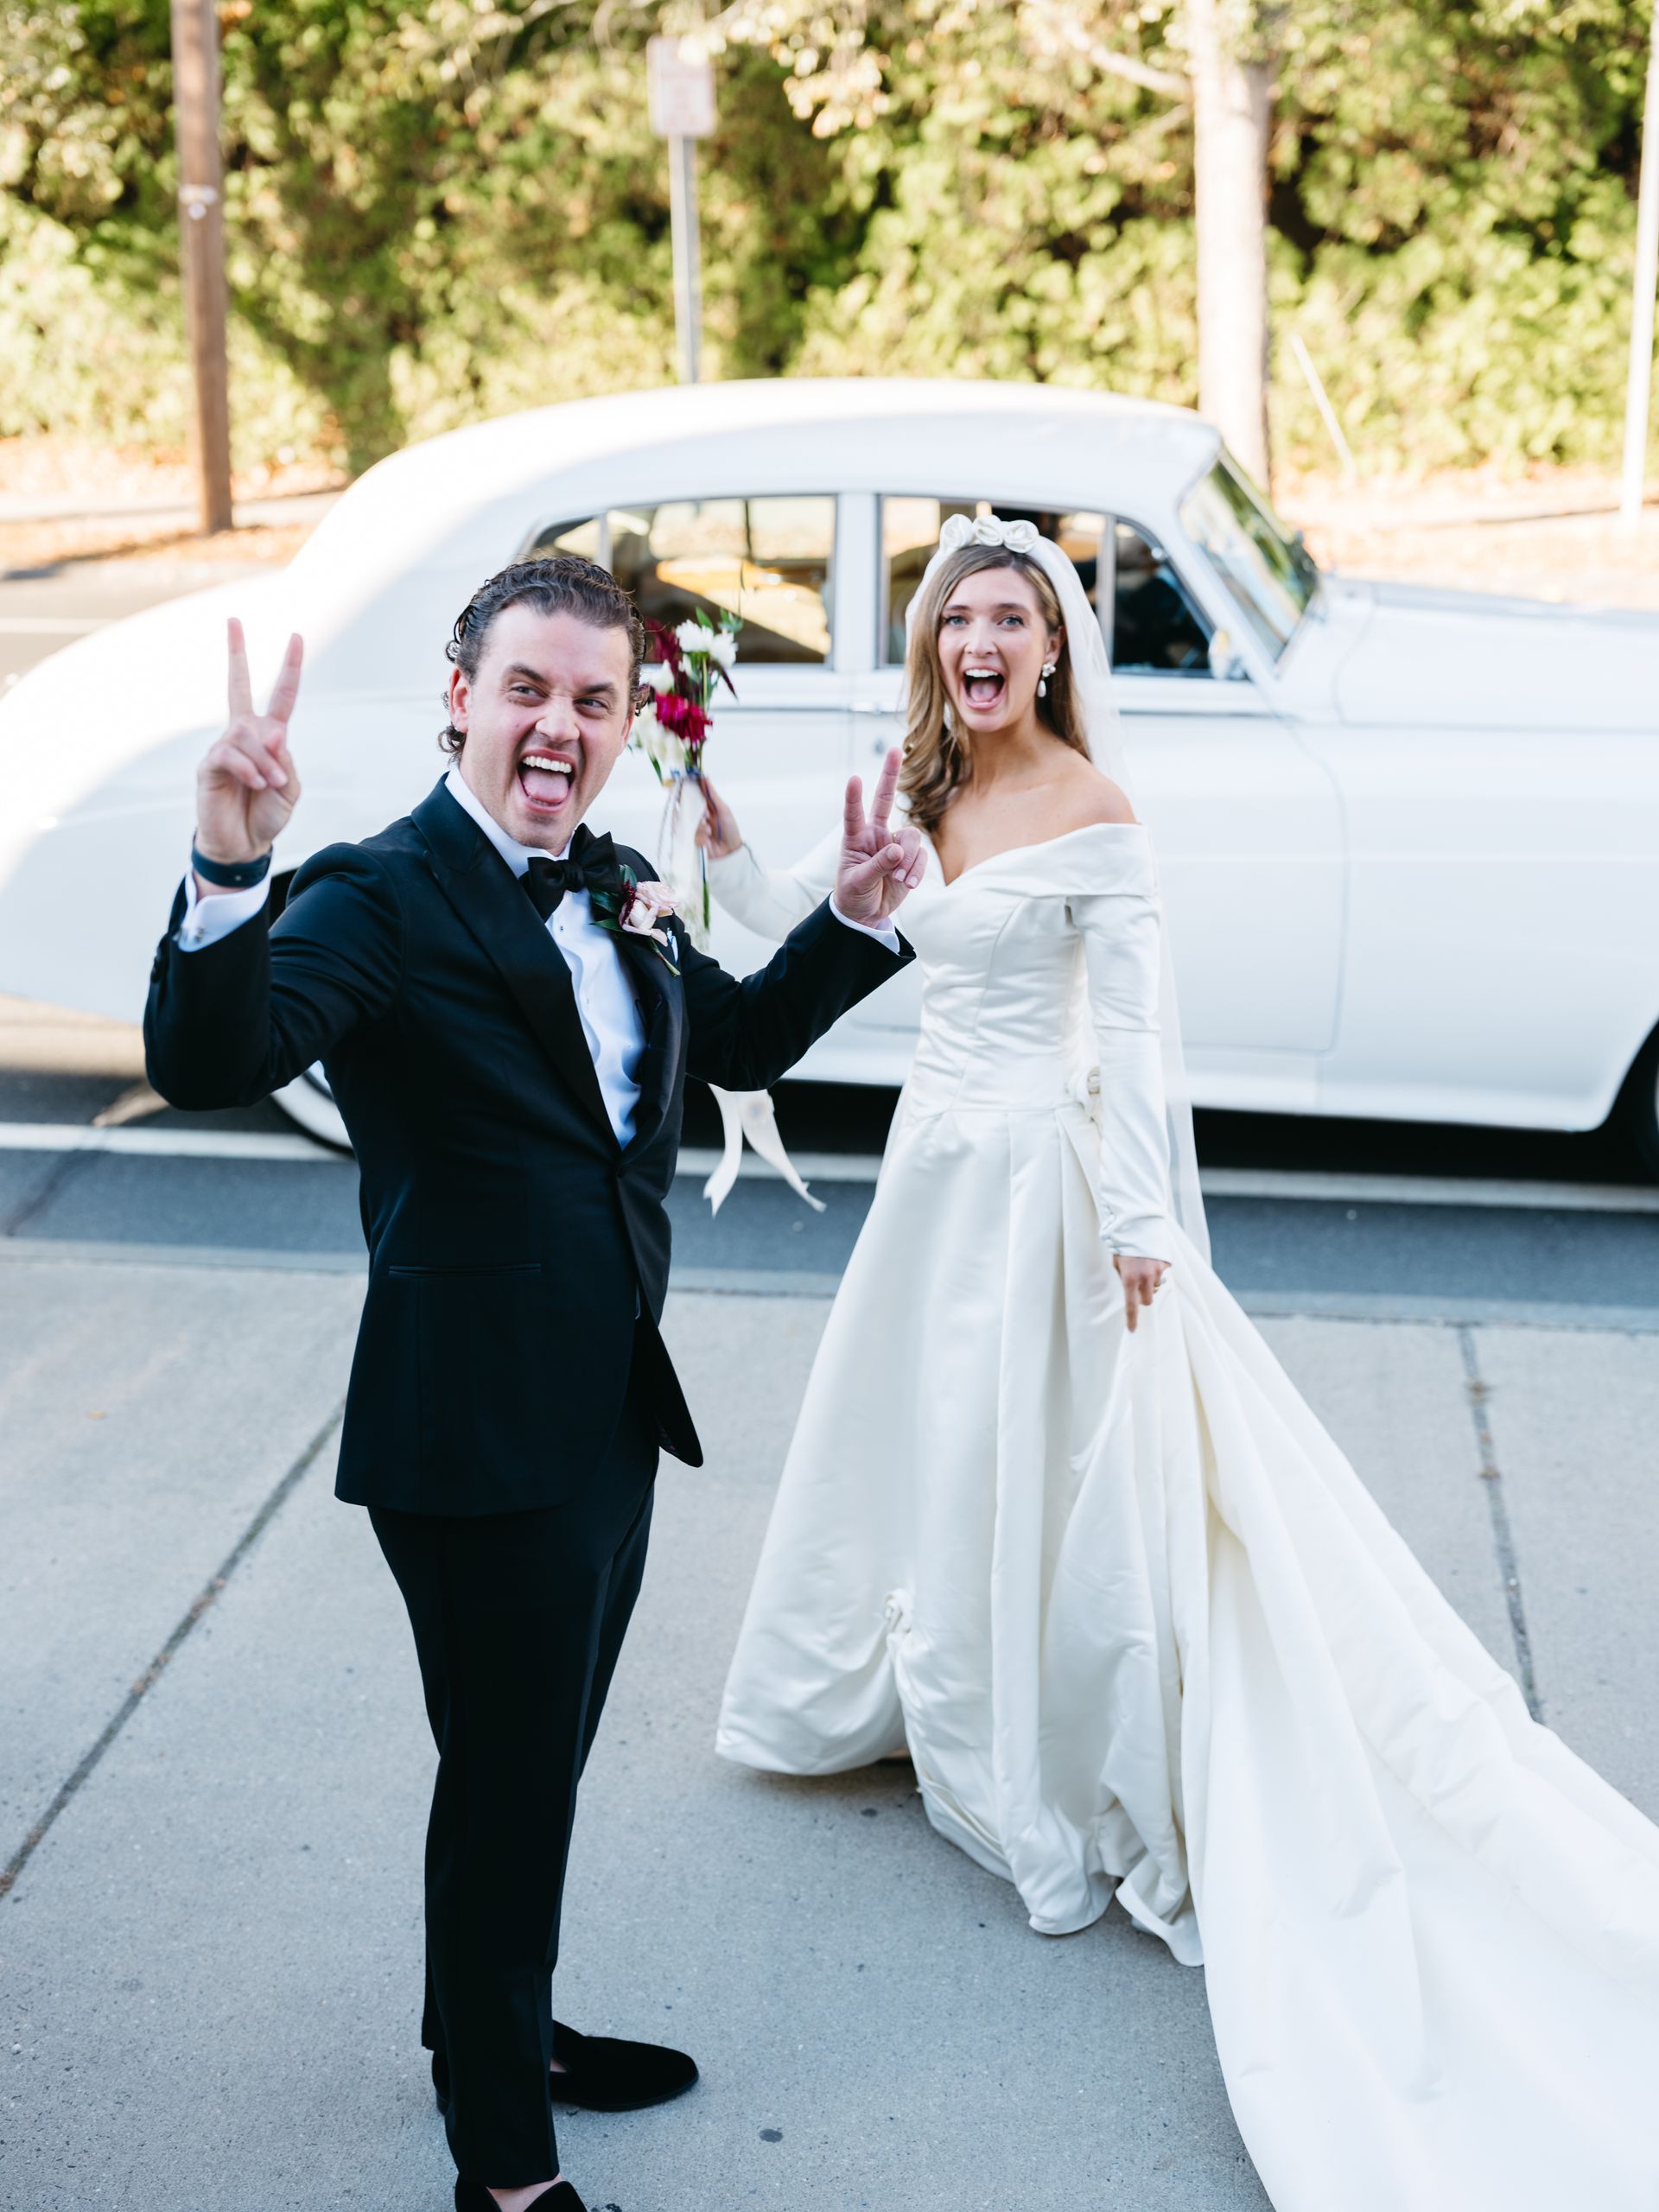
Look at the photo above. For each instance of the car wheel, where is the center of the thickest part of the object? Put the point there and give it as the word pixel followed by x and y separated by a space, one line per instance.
pixel 1639 1106
pixel 308 1101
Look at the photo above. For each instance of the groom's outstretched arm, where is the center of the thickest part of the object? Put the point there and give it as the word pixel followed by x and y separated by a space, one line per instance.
pixel 230 1022
pixel 237 1008
pixel 745 1035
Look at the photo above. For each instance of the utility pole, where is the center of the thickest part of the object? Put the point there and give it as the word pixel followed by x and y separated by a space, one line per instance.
pixel 1232 112
pixel 680 86
pixel 1638 389
pixel 201 247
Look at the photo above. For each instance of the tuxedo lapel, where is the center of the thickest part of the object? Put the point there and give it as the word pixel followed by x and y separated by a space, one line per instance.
pixel 662 1005
pixel 485 894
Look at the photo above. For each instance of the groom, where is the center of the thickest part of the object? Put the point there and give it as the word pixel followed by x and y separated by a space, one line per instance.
pixel 508 1043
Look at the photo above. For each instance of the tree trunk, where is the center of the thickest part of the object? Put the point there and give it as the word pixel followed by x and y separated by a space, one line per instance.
pixel 1232 101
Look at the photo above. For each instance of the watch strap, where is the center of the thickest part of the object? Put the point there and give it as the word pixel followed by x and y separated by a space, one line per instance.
pixel 230 875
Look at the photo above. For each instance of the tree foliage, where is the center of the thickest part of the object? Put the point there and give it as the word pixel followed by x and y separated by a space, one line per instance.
pixel 445 208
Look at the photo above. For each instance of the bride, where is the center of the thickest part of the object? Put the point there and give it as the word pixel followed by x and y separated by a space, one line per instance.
pixel 1133 1616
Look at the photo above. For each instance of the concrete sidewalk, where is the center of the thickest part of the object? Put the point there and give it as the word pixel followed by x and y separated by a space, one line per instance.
pixel 210 1962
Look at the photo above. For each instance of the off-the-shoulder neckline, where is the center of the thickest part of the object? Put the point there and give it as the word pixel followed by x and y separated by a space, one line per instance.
pixel 1038 845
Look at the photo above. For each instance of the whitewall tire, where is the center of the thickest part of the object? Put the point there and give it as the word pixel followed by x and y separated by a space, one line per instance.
pixel 1639 1106
pixel 308 1101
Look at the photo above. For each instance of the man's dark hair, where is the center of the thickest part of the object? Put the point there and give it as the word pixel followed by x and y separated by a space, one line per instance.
pixel 565 585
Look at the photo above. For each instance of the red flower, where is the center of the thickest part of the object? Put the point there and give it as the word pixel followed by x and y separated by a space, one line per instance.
pixel 668 647
pixel 682 717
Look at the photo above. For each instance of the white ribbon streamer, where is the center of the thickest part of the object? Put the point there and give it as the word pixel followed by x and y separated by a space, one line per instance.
pixel 751 1113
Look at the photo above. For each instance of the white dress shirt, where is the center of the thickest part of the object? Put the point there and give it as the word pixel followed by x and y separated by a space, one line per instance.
pixel 605 999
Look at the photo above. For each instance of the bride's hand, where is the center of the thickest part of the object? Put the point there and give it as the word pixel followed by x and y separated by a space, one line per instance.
pixel 718 833
pixel 1141 1278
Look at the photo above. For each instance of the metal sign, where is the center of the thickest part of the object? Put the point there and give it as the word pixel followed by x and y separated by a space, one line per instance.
pixel 680 86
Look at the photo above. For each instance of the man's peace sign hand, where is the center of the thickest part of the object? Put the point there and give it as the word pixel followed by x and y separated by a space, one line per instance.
pixel 247 786
pixel 879 865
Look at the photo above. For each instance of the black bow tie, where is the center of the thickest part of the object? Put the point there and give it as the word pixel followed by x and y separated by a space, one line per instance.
pixel 589 865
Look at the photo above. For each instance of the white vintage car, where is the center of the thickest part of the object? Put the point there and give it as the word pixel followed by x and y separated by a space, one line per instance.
pixel 1409 838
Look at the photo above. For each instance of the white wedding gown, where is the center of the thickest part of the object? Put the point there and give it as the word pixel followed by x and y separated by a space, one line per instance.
pixel 1145 1633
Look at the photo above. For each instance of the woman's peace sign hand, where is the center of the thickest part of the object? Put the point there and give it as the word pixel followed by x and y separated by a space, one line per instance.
pixel 247 786
pixel 879 865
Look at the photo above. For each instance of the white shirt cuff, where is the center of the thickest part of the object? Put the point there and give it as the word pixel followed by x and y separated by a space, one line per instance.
pixel 883 932
pixel 206 921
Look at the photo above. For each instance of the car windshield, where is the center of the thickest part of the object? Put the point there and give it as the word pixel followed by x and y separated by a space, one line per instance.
pixel 1270 576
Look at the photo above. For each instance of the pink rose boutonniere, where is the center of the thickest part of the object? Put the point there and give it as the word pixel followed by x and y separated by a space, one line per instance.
pixel 643 905
pixel 636 909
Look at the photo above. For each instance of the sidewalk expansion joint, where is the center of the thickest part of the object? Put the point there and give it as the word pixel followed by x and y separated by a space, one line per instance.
pixel 37 1200
pixel 1478 1392
pixel 201 1603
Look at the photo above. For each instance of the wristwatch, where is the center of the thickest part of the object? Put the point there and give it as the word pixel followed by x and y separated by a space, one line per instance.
pixel 230 875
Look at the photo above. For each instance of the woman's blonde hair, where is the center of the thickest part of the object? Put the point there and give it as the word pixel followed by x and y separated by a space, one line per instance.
pixel 936 757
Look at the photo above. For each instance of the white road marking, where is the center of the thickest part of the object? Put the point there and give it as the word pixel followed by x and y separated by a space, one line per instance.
pixel 162 1144
pixel 1429 1190
pixel 862 1167
pixel 812 1167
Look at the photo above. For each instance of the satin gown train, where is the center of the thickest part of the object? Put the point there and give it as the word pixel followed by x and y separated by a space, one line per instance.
pixel 1145 1633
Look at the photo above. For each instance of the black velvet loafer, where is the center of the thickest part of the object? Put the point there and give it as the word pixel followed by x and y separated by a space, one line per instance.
pixel 603 2074
pixel 470 2196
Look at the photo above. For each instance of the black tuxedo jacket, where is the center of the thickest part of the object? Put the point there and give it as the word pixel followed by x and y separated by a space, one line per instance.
pixel 516 1251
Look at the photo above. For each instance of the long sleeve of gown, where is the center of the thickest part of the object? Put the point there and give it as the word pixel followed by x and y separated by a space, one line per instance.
pixel 773 902
pixel 1122 934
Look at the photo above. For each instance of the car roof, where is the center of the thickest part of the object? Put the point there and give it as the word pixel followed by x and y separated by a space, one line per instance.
pixel 441 502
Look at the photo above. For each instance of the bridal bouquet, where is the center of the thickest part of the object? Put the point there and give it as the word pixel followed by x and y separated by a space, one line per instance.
pixel 671 730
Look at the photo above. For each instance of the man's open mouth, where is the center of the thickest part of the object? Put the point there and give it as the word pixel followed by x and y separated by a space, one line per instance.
pixel 982 686
pixel 546 780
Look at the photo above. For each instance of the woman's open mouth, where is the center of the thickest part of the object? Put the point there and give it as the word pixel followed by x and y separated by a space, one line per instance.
pixel 546 781
pixel 983 687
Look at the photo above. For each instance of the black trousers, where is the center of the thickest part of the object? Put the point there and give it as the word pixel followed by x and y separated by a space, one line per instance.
pixel 518 1618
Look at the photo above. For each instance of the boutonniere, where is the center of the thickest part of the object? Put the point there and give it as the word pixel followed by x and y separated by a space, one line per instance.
pixel 636 909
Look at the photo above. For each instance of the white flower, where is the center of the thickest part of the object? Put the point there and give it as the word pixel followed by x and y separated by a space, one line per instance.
pixel 644 906
pixel 661 679
pixel 723 647
pixel 694 637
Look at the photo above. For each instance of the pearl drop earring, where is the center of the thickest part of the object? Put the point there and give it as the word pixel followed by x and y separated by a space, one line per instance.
pixel 1049 667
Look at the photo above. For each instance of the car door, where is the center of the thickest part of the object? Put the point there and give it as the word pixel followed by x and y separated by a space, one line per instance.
pixel 1246 824
pixel 780 746
pixel 1248 829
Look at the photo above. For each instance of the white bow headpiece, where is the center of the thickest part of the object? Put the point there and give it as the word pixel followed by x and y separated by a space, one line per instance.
pixel 986 530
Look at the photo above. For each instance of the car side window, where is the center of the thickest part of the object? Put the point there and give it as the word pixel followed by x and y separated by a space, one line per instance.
pixel 1156 629
pixel 771 561
pixel 909 536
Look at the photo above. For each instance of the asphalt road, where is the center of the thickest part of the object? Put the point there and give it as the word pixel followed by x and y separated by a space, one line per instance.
pixel 45 608
pixel 1378 1254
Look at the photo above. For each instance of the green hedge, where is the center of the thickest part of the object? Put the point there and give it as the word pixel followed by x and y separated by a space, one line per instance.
pixel 445 210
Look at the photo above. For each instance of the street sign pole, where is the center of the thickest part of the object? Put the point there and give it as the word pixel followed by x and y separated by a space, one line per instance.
pixel 1639 385
pixel 688 256
pixel 680 82
pixel 201 247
